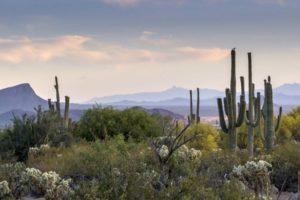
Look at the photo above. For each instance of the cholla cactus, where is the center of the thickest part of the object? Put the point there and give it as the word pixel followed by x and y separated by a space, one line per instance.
pixel 163 151
pixel 194 154
pixel 4 190
pixel 34 151
pixel 256 176
pixel 49 184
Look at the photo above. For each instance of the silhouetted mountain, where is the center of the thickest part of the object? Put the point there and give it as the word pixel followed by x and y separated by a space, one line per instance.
pixel 19 97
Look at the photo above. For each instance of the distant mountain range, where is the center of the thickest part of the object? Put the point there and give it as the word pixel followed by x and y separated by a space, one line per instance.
pixel 22 99
pixel 172 93
pixel 287 94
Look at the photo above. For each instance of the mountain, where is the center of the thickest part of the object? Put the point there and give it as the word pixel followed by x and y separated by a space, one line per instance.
pixel 289 89
pixel 19 97
pixel 171 93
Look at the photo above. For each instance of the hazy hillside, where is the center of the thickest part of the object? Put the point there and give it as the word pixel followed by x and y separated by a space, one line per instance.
pixel 19 97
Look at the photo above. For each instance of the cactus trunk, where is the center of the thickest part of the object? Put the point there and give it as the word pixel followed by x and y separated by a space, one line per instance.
pixel 57 98
pixel 198 106
pixel 268 115
pixel 66 115
pixel 253 106
pixel 192 116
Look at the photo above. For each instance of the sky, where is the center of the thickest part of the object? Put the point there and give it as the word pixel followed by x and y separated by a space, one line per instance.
pixel 105 47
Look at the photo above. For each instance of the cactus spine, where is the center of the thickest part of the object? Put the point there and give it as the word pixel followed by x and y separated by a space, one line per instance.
pixel 66 114
pixel 57 97
pixel 195 118
pixel 234 120
pixel 268 116
pixel 252 117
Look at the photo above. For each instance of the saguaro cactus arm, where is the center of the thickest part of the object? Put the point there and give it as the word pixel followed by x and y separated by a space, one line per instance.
pixel 242 105
pixel 222 116
pixel 257 113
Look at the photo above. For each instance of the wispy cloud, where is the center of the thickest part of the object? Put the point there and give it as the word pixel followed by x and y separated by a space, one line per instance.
pixel 204 54
pixel 153 38
pixel 70 47
pixel 87 50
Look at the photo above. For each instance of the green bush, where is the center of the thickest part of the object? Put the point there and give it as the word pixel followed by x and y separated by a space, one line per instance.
pixel 216 166
pixel 138 125
pixel 31 131
pixel 290 127
pixel 208 137
pixel 286 164
pixel 99 123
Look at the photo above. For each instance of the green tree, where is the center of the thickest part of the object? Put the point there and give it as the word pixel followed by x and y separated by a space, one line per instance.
pixel 138 124
pixel 98 123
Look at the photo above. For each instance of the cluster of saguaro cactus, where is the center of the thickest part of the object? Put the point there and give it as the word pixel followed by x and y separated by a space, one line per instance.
pixel 234 120
pixel 268 116
pixel 194 117
pixel 65 120
pixel 253 114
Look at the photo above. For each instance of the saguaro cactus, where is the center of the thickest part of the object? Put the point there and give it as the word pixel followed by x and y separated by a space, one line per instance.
pixel 192 115
pixel 57 97
pixel 268 116
pixel 230 106
pixel 195 117
pixel 198 106
pixel 252 117
pixel 66 115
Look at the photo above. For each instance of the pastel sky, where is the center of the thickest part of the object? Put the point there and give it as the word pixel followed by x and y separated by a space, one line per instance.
pixel 105 47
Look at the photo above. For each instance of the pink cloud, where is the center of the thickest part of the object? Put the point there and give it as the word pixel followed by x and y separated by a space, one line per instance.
pixel 212 54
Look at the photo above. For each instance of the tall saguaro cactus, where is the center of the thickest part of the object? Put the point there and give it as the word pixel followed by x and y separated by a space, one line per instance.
pixel 252 117
pixel 192 115
pixel 57 97
pixel 198 106
pixel 195 117
pixel 268 116
pixel 66 114
pixel 234 120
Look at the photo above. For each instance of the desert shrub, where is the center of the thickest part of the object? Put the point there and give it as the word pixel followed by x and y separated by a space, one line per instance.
pixel 98 123
pixel 138 124
pixel 286 164
pixel 108 169
pixel 30 131
pixel 207 137
pixel 290 127
pixel 134 123
pixel 5 192
pixel 255 175
pixel 235 190
pixel 243 136
pixel 216 166
pixel 22 181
